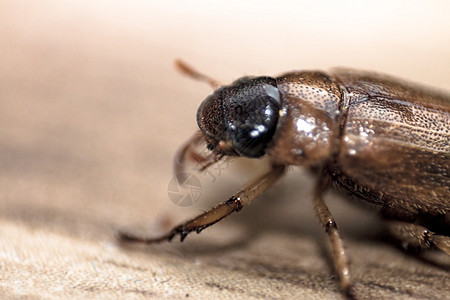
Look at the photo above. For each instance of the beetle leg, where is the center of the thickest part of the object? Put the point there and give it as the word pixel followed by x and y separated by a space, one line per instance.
pixel 217 213
pixel 340 258
pixel 189 153
pixel 413 235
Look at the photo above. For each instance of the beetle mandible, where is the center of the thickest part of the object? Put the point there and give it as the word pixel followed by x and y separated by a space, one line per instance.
pixel 382 140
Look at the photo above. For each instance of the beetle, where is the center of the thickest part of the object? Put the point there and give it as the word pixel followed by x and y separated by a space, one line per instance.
pixel 382 140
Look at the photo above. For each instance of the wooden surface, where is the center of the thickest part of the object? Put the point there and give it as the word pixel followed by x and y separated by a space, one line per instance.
pixel 92 113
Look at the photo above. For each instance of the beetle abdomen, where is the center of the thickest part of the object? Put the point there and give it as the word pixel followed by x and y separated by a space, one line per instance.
pixel 395 144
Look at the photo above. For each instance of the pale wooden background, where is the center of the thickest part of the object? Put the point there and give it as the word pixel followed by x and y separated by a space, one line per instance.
pixel 92 112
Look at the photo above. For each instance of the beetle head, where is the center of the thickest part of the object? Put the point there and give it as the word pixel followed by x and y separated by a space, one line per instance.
pixel 241 119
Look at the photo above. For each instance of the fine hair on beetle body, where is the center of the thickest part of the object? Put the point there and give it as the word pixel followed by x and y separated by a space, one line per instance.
pixel 382 140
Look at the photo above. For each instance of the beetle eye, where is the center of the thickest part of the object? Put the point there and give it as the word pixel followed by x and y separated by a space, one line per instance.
pixel 251 112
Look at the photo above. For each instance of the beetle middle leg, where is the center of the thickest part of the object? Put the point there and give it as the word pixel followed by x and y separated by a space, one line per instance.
pixel 242 198
pixel 413 235
pixel 340 258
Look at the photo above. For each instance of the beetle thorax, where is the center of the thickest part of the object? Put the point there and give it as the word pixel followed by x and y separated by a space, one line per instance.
pixel 309 119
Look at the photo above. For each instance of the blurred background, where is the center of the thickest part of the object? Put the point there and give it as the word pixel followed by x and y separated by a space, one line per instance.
pixel 92 112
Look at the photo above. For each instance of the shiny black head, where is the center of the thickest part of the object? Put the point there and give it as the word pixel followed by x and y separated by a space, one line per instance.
pixel 241 119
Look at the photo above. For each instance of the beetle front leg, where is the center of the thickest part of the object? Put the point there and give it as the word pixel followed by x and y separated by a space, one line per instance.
pixel 413 235
pixel 217 213
pixel 340 258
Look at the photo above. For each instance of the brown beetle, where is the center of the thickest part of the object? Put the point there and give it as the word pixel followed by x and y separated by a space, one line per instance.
pixel 382 140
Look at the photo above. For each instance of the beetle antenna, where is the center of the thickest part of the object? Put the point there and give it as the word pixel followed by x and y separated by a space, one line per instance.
pixel 189 71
